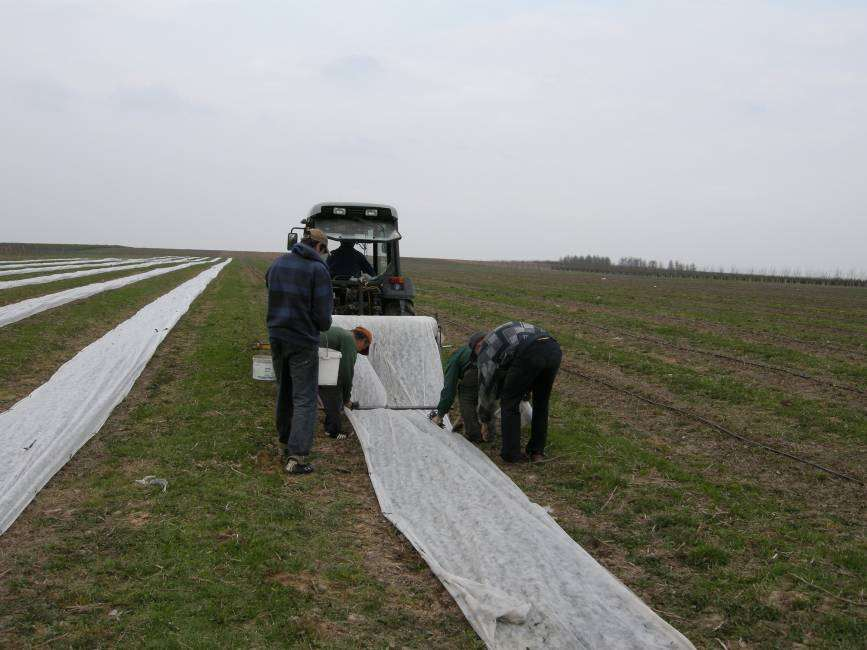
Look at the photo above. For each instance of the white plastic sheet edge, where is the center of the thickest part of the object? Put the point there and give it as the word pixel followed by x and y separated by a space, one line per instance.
pixel 57 418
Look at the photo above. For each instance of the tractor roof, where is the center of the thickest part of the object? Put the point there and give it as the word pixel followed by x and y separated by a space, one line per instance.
pixel 353 221
pixel 317 209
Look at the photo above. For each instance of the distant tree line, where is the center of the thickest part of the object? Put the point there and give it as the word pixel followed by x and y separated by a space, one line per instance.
pixel 586 262
pixel 601 263
pixel 675 268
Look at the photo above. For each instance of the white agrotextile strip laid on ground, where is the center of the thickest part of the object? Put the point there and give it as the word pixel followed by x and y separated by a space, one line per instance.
pixel 39 434
pixel 20 310
pixel 520 580
pixel 56 260
pixel 64 267
pixel 38 267
pixel 83 265
pixel 54 277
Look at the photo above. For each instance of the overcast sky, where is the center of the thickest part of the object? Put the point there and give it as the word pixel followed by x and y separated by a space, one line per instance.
pixel 721 133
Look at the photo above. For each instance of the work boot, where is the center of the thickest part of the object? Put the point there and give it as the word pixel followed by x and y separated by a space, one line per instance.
pixel 296 465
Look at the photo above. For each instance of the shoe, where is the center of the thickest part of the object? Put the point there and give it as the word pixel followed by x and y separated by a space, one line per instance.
pixel 337 436
pixel 517 458
pixel 296 466
pixel 538 457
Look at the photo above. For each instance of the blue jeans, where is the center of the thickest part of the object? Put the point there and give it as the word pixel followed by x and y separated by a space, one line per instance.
pixel 297 371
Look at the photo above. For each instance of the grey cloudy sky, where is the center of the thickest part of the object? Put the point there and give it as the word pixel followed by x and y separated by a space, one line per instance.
pixel 715 132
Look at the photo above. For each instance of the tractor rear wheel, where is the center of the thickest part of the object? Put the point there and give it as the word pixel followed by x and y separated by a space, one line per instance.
pixel 399 308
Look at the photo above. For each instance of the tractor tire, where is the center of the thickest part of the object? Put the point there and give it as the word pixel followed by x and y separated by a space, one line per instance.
pixel 393 308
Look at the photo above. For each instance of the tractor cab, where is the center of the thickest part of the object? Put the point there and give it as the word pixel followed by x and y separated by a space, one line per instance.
pixel 371 231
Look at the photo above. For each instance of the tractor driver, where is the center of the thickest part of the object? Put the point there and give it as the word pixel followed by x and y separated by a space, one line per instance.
pixel 347 261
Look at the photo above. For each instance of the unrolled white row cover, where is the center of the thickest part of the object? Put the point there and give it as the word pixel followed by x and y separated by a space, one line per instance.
pixel 520 580
pixel 63 267
pixel 41 260
pixel 39 434
pixel 36 266
pixel 55 277
pixel 25 308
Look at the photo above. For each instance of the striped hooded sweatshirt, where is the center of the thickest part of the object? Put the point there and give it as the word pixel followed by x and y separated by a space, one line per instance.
pixel 300 297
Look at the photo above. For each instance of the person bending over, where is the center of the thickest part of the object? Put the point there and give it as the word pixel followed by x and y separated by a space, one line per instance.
pixel 335 398
pixel 515 359
pixel 462 378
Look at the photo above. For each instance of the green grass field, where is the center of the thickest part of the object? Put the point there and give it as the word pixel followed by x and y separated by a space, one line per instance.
pixel 734 545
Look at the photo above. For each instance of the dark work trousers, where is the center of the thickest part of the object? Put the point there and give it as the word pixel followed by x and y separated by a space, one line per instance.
pixel 468 398
pixel 297 371
pixel 533 370
pixel 332 402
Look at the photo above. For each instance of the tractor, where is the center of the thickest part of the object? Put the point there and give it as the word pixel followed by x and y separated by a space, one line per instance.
pixel 372 229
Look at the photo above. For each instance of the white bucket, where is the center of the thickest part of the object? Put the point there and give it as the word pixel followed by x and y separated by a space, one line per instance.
pixel 263 368
pixel 329 365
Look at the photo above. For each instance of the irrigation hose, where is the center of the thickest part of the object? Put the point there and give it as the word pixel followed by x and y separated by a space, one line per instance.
pixel 719 355
pixel 711 424
pixel 699 418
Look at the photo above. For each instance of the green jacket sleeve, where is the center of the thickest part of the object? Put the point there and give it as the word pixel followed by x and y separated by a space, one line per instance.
pixel 341 340
pixel 348 353
pixel 455 367
pixel 347 371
